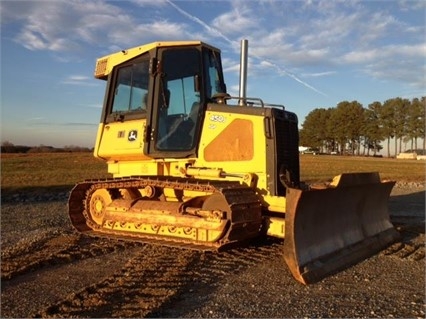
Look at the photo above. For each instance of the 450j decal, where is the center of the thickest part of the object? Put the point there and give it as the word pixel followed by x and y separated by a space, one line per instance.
pixel 217 118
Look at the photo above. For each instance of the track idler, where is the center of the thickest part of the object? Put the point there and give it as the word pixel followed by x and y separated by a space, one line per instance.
pixel 327 230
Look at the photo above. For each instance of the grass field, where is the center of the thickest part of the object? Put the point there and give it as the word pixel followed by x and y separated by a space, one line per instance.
pixel 60 170
pixel 324 167
pixel 63 170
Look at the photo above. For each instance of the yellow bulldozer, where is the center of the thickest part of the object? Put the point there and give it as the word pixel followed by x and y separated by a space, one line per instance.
pixel 196 168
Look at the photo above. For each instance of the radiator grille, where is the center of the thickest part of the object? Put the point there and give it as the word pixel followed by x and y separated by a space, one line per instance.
pixel 286 148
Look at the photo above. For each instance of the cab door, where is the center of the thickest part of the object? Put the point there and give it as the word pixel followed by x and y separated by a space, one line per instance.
pixel 175 115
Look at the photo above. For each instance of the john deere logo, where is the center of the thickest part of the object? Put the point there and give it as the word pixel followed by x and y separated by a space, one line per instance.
pixel 133 135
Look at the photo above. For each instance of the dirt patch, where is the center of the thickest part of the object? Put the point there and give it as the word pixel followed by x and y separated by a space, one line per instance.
pixel 48 270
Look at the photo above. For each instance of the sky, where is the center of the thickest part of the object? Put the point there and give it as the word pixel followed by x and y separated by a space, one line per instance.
pixel 304 54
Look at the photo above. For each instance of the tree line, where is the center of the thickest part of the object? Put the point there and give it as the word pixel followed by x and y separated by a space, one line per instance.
pixel 349 128
pixel 8 147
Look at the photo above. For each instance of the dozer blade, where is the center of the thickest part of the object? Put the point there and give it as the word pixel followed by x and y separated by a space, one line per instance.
pixel 327 230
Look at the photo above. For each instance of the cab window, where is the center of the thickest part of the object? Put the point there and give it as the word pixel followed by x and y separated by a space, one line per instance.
pixel 131 88
pixel 214 79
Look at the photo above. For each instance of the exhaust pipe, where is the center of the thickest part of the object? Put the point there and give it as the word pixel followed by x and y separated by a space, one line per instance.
pixel 243 72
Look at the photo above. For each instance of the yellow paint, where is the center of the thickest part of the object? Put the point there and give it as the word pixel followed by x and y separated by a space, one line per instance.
pixel 274 203
pixel 252 160
pixel 113 140
pixel 276 227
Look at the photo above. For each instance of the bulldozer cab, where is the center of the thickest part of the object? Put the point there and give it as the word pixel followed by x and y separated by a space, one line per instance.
pixel 163 91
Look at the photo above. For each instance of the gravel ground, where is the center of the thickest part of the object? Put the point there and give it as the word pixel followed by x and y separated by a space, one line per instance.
pixel 48 270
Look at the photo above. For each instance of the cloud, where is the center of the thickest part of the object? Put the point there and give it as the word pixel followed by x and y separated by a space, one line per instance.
pixel 287 37
pixel 239 19
pixel 409 5
pixel 212 31
pixel 361 56
pixel 375 39
pixel 71 26
pixel 36 119
pixel 405 63
pixel 319 74
pixel 79 124
pixel 12 11
pixel 401 70
pixel 281 71
pixel 57 25
pixel 150 3
pixel 43 122
pixel 80 80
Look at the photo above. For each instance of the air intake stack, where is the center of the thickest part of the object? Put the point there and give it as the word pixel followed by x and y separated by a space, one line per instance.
pixel 243 72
